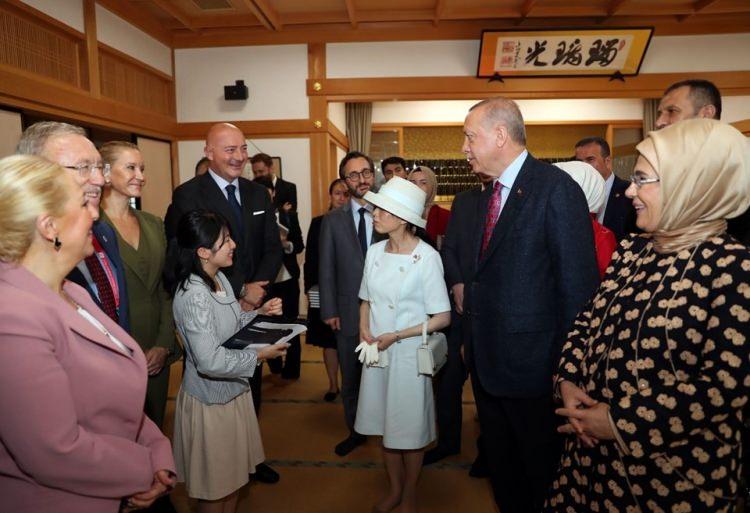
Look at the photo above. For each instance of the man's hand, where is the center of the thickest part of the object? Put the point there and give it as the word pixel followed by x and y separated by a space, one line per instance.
pixel 458 297
pixel 156 357
pixel 287 207
pixel 254 293
pixel 334 323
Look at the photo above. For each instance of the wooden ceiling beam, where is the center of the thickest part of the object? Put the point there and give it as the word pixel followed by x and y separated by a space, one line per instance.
pixel 439 10
pixel 168 7
pixel 351 12
pixel 614 7
pixel 265 14
pixel 697 7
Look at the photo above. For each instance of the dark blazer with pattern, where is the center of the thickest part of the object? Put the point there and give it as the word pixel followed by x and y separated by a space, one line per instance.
pixel 108 240
pixel 258 253
pixel 539 269
pixel 285 192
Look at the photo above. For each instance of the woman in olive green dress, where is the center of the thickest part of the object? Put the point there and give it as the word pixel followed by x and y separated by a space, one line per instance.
pixel 143 249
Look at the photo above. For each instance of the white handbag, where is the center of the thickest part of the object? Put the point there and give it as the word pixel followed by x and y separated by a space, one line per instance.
pixel 432 353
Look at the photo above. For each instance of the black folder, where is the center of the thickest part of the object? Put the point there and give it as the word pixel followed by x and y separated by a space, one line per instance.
pixel 254 334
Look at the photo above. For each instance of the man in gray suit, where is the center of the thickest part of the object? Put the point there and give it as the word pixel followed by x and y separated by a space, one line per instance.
pixel 345 236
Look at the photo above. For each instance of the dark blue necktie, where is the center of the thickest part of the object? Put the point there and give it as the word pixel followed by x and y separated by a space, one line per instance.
pixel 234 204
pixel 362 231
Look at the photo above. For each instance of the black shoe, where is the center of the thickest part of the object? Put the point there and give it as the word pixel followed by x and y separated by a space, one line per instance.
pixel 435 455
pixel 330 396
pixel 351 443
pixel 479 468
pixel 265 474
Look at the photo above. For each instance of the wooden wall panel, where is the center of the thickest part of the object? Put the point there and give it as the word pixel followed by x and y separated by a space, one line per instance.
pixel 32 46
pixel 157 193
pixel 133 83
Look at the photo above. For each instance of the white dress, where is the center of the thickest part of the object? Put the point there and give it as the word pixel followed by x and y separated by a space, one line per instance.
pixel 396 402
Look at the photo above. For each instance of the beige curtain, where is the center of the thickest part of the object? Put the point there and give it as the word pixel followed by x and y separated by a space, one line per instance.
pixel 359 126
pixel 650 114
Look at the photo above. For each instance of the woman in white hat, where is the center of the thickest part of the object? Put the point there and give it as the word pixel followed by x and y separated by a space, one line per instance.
pixel 402 287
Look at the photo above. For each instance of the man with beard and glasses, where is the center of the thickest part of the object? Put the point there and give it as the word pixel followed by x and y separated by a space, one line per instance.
pixel 345 236
pixel 248 209
pixel 101 274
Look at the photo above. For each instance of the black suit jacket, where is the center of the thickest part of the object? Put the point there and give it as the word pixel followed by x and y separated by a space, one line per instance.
pixel 538 271
pixel 312 254
pixel 107 237
pixel 285 192
pixel 291 222
pixel 258 253
pixel 457 253
pixel 620 214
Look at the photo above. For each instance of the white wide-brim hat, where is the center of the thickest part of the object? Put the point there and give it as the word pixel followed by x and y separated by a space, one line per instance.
pixel 402 199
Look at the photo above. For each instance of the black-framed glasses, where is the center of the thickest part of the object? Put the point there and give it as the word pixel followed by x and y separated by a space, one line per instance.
pixel 640 181
pixel 356 176
pixel 85 170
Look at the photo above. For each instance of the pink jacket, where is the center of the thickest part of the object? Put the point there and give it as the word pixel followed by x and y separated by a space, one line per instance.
pixel 73 436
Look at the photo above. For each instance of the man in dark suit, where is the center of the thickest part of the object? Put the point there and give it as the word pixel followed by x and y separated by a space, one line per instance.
pixel 286 285
pixel 248 209
pixel 532 269
pixel 617 213
pixel 285 193
pixel 345 236
pixel 102 273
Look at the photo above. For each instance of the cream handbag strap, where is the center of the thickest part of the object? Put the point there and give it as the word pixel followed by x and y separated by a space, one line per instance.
pixel 424 333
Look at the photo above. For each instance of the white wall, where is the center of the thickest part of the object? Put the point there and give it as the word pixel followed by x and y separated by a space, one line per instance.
pixel 720 52
pixel 337 115
pixel 295 165
pixel 454 111
pixel 402 59
pixel 735 108
pixel 121 35
pixel 275 76
pixel 69 12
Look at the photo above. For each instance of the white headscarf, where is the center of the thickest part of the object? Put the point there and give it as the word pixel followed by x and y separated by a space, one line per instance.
pixel 588 179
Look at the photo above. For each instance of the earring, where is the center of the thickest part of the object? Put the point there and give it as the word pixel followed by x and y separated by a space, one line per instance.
pixel 57 243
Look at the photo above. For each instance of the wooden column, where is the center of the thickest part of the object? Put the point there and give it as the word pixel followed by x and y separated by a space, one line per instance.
pixel 92 48
pixel 319 147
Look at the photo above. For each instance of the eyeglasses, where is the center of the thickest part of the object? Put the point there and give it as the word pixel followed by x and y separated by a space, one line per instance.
pixel 356 176
pixel 640 181
pixel 85 170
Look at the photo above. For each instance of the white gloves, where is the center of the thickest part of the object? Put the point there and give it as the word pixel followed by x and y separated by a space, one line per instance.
pixel 371 356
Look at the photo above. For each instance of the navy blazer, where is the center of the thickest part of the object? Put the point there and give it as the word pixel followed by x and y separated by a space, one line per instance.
pixel 620 213
pixel 108 240
pixel 258 253
pixel 538 271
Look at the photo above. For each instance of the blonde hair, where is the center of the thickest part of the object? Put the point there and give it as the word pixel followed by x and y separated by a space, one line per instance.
pixel 29 187
pixel 110 151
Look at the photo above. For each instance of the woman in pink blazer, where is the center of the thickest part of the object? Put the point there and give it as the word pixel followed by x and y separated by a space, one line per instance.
pixel 73 436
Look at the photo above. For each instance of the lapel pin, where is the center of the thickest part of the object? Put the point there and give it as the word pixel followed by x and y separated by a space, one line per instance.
pixel 519 192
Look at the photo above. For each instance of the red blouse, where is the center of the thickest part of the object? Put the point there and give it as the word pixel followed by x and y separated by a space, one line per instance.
pixel 437 222
pixel 604 243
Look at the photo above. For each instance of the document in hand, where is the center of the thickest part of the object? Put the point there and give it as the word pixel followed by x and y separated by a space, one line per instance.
pixel 263 333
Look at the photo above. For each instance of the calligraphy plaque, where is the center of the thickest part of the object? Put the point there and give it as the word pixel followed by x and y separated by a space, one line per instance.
pixel 563 52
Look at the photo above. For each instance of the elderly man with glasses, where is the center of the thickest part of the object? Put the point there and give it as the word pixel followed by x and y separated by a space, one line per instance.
pixel 102 273
pixel 345 236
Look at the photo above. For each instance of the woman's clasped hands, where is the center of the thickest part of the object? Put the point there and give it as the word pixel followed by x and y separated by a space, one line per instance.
pixel 587 418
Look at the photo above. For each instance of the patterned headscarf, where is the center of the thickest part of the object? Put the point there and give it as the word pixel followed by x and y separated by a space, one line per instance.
pixel 588 179
pixel 432 180
pixel 704 167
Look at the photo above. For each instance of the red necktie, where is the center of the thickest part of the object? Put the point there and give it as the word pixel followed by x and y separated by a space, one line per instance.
pixel 106 294
pixel 493 213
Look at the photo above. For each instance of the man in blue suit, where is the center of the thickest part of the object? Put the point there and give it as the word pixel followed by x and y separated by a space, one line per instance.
pixel 102 274
pixel 617 213
pixel 533 267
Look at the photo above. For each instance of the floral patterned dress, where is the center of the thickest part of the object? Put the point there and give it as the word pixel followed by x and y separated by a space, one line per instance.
pixel 664 343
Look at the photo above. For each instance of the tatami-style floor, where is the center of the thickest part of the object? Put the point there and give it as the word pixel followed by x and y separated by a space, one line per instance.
pixel 300 431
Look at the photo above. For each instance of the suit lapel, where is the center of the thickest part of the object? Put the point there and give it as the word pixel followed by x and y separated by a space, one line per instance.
pixel 346 210
pixel 516 199
pixel 247 207
pixel 215 197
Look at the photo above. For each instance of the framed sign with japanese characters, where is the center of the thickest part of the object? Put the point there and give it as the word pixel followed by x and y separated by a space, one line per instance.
pixel 564 52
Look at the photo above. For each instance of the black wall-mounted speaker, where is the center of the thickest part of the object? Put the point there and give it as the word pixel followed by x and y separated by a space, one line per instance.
pixel 238 91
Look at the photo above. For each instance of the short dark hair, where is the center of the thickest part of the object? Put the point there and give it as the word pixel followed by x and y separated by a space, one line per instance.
pixel 393 160
pixel 604 145
pixel 702 93
pixel 353 155
pixel 202 161
pixel 266 181
pixel 262 157
pixel 195 229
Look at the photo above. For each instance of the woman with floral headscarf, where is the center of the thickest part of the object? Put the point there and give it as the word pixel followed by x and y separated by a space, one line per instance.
pixel 654 375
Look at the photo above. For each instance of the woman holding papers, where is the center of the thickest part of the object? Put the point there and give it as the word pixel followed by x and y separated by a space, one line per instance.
pixel 395 401
pixel 216 438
